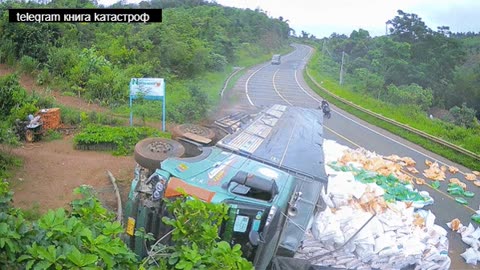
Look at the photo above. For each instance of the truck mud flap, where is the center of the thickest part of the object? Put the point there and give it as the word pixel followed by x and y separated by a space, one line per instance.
pixel 149 218
pixel 140 223
pixel 131 212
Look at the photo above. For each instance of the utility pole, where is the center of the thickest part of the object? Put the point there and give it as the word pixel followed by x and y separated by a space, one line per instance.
pixel 341 68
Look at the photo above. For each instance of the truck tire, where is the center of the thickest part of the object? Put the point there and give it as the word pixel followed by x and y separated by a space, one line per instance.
pixel 151 151
pixel 180 130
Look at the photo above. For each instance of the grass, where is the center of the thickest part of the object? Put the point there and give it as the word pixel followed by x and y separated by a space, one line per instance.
pixel 121 139
pixel 52 135
pixel 210 83
pixel 33 213
pixel 411 116
pixel 7 163
pixel 468 139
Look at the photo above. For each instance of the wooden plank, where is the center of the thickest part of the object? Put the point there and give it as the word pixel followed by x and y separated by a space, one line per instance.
pixel 197 138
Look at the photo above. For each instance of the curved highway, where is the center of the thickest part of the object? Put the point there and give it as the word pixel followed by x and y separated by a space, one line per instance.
pixel 269 84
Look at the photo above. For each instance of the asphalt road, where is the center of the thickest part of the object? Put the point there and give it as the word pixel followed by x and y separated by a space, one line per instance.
pixel 268 84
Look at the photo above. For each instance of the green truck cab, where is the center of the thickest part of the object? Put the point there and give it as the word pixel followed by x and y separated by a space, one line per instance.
pixel 270 184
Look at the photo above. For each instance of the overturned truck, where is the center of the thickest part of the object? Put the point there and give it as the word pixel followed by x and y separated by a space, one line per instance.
pixel 269 169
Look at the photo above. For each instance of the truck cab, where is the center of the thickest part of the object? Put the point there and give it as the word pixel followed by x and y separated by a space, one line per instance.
pixel 270 182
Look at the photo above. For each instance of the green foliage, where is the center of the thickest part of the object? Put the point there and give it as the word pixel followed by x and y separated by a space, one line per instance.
pixel 124 138
pixel 96 61
pixel 412 54
pixel 43 77
pixel 98 118
pixel 406 115
pixel 7 52
pixel 52 135
pixel 195 239
pixel 464 116
pixel 409 94
pixel 28 64
pixel 70 116
pixel 15 103
pixel 86 238
pixel 15 232
pixel 7 137
pixel 10 90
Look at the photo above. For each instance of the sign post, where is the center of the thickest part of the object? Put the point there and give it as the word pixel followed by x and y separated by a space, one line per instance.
pixel 149 89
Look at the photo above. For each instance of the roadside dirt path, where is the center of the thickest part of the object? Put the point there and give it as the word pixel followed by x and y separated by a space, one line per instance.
pixel 51 170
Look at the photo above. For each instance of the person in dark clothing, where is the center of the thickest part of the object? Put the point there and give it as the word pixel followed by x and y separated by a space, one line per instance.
pixel 326 109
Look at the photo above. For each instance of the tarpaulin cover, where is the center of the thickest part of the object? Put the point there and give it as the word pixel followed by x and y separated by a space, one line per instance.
pixel 288 137
pixel 291 139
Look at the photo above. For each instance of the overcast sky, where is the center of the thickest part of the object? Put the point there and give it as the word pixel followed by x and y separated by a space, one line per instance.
pixel 321 18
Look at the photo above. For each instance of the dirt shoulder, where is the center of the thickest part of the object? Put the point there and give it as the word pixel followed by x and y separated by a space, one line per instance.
pixel 52 170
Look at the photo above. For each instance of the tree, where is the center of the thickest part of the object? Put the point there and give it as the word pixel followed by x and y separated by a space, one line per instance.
pixel 407 27
pixel 412 94
pixel 464 116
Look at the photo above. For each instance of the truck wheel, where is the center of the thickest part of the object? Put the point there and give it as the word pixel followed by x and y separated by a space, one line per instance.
pixel 151 151
pixel 180 130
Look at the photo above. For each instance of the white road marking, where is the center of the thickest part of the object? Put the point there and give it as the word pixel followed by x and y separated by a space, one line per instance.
pixel 246 83
pixel 378 133
pixel 296 79
pixel 343 115
pixel 275 88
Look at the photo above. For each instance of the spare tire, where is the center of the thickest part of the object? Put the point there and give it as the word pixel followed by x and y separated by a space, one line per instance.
pixel 151 151
pixel 180 130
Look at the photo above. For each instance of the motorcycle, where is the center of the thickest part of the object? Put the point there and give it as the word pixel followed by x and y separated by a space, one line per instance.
pixel 326 109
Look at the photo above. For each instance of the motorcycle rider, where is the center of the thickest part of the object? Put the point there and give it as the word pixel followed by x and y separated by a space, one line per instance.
pixel 326 109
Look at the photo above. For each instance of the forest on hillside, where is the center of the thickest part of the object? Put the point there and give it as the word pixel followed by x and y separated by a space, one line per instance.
pixel 437 71
pixel 195 49
pixel 96 60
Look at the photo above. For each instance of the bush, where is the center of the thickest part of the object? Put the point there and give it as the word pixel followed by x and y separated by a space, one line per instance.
pixel 412 94
pixel 43 77
pixel 195 239
pixel 85 238
pixel 463 116
pixel 70 116
pixel 124 138
pixel 14 101
pixel 7 52
pixel 28 64
pixel 217 62
pixel 61 60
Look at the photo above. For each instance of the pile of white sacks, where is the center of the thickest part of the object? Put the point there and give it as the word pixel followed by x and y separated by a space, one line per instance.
pixel 470 236
pixel 359 230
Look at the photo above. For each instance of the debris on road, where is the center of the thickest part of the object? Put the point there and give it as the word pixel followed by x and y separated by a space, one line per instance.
pixel 453 169
pixel 470 236
pixel 373 217
pixel 470 177
pixel 435 172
